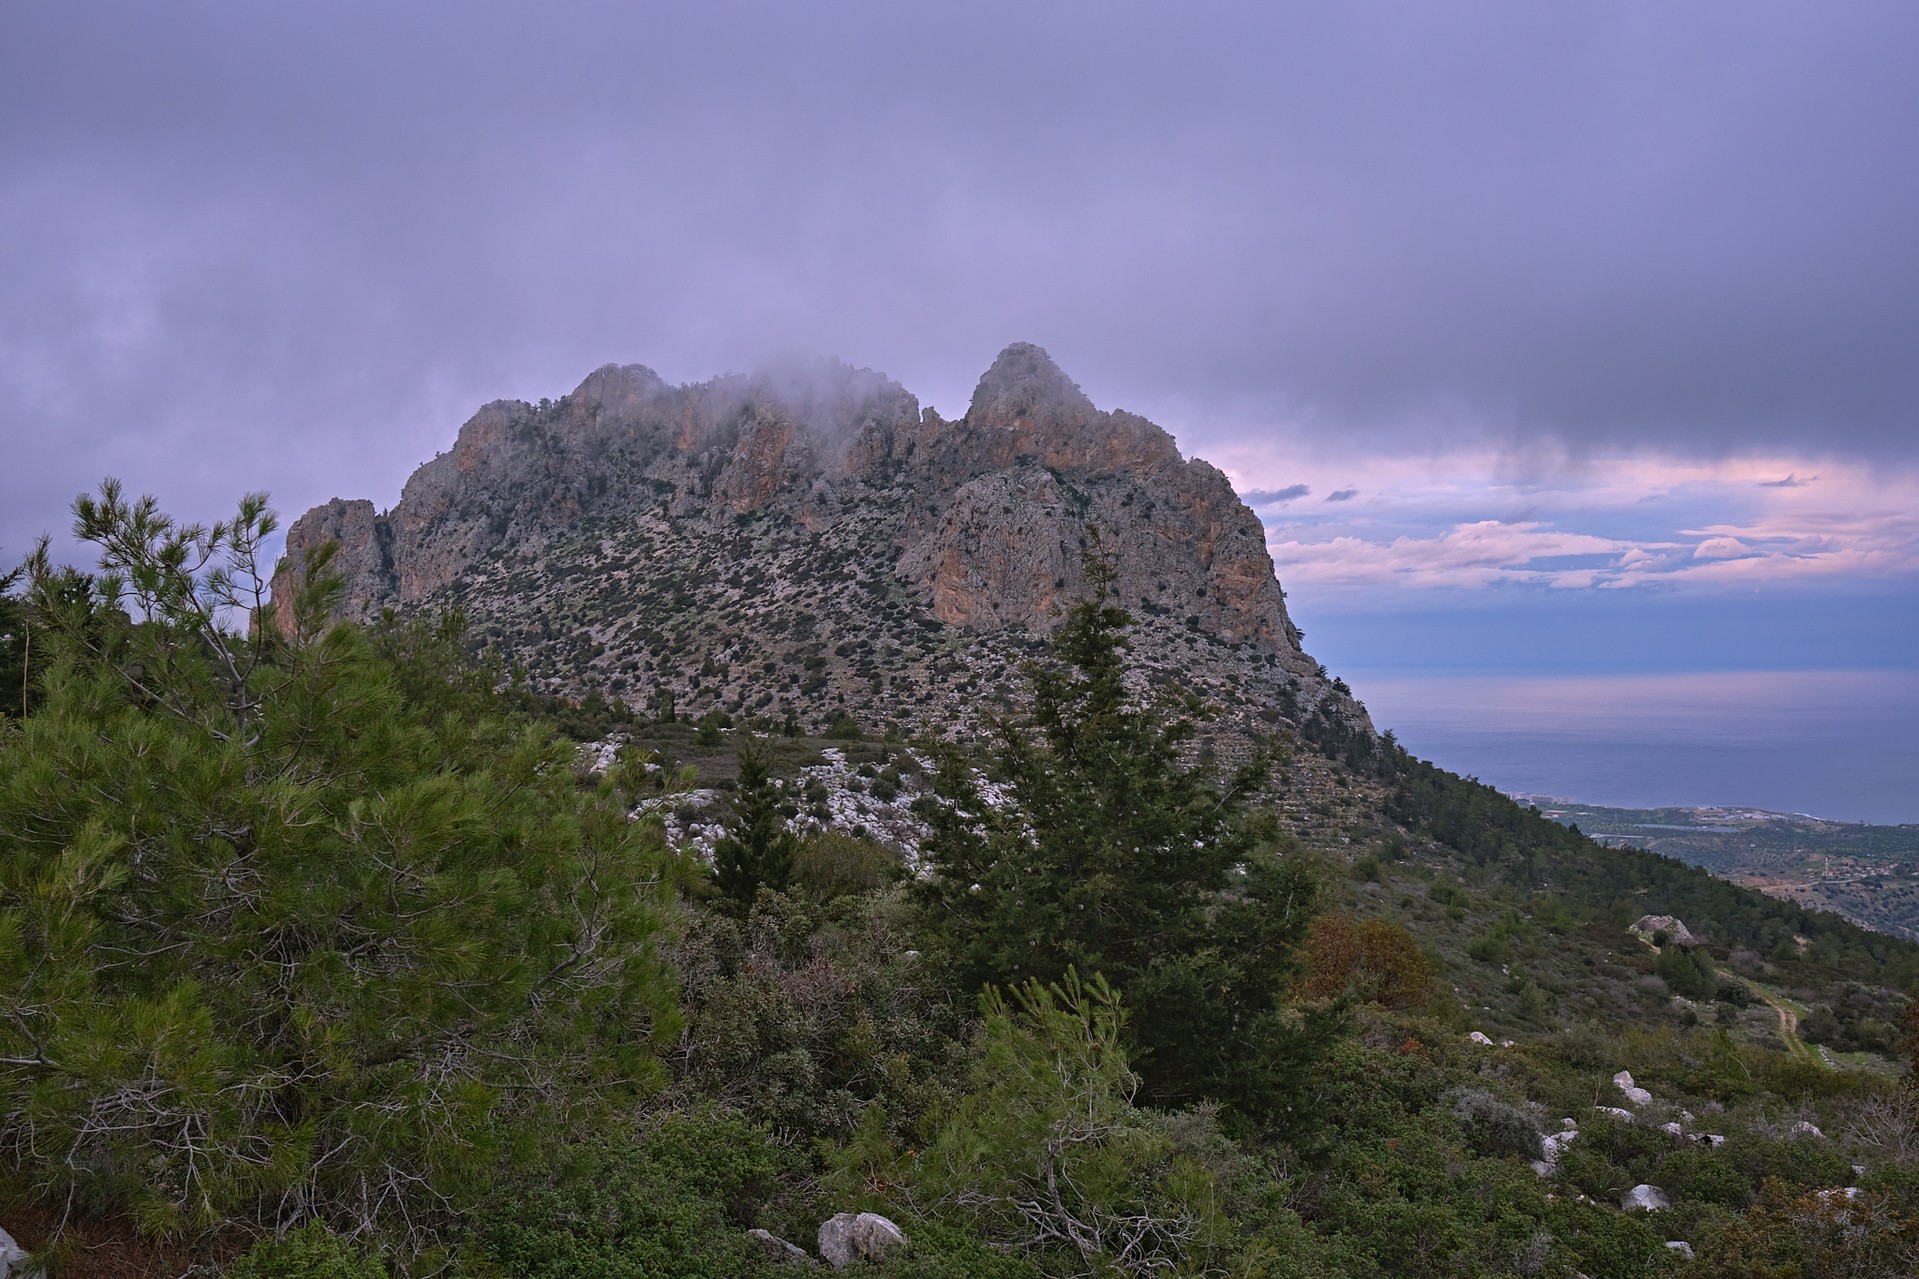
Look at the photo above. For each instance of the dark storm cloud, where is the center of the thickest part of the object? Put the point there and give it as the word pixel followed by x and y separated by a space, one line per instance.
pixel 1274 497
pixel 291 247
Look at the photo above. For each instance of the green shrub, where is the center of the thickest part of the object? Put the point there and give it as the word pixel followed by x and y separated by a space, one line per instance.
pixel 1688 971
pixel 835 864
pixel 1704 1176
pixel 1602 1241
pixel 1799 1163
pixel 311 1252
pixel 845 728
pixel 673 1205
pixel 1495 1127
pixel 1493 948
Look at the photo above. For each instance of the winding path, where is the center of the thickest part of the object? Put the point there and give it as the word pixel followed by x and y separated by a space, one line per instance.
pixel 1788 1019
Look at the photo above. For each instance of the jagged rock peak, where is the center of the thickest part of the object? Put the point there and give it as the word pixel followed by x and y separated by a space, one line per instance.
pixel 1025 386
pixel 803 536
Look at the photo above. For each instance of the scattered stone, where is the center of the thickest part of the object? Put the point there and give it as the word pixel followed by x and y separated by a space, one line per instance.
pixel 848 1237
pixel 1681 1247
pixel 1636 1095
pixel 1645 1197
pixel 1481 1038
pixel 1552 1145
pixel 1672 1130
pixel 1805 1128
pixel 779 1250
pixel 1614 1112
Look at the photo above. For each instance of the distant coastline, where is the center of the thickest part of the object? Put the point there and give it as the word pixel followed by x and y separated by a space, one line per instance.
pixel 1835 746
pixel 1864 872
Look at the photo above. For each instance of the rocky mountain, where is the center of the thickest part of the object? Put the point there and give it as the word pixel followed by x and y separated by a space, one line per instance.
pixel 807 539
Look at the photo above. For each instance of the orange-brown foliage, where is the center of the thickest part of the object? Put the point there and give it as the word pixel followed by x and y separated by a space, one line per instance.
pixel 1376 959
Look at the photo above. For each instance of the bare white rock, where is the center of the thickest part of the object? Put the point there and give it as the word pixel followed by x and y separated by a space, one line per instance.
pixel 1636 1095
pixel 13 1259
pixel 1681 1247
pixel 1675 929
pixel 1805 1128
pixel 1648 1198
pixel 1481 1038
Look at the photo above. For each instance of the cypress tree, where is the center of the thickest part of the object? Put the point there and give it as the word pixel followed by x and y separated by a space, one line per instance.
pixel 1103 850
pixel 757 848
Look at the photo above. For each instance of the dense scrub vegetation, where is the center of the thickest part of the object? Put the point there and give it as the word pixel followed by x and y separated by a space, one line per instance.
pixel 323 954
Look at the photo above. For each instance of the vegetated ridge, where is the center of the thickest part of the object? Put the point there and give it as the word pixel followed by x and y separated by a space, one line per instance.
pixel 1867 873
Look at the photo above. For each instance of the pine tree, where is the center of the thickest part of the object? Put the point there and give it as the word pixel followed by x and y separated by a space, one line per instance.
pixel 757 849
pixel 15 648
pixel 1108 853
pixel 296 924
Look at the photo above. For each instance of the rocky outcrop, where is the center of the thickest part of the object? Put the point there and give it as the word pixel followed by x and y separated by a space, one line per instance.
pixel 364 556
pixel 1667 926
pixel 1003 554
pixel 808 537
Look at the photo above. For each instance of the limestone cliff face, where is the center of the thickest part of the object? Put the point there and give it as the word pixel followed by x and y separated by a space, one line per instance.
pixel 1000 555
pixel 808 534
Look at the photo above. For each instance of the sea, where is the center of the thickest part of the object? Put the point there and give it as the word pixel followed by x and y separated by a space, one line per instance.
pixel 1840 745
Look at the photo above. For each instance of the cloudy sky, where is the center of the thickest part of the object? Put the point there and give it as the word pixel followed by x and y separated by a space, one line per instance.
pixel 1546 338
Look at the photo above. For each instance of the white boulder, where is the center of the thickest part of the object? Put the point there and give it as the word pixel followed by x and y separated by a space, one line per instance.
pixel 1681 1247
pixel 1646 1198
pixel 1636 1095
pixel 1481 1038
pixel 866 1236
pixel 1805 1128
